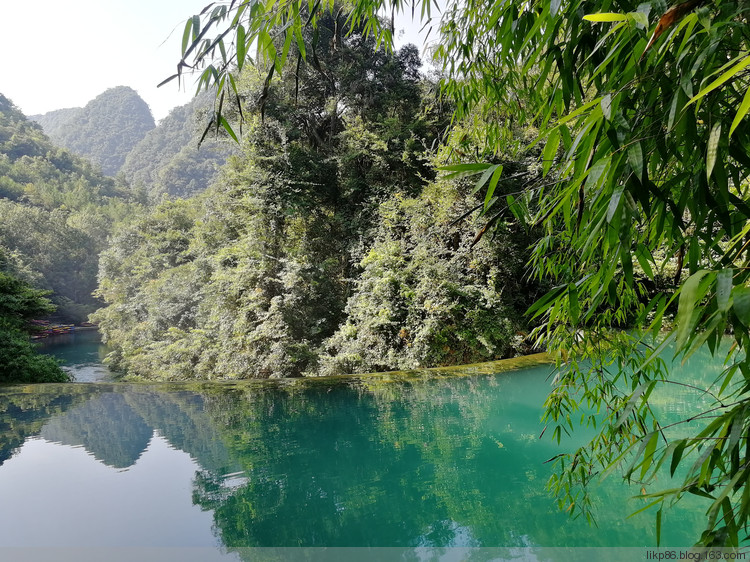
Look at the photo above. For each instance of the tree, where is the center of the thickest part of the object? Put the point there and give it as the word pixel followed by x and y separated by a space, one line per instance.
pixel 641 109
pixel 19 303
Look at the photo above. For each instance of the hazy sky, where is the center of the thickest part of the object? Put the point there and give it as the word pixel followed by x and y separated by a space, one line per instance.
pixel 63 53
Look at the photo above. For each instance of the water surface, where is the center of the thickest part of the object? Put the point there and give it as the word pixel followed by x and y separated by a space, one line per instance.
pixel 379 461
pixel 81 352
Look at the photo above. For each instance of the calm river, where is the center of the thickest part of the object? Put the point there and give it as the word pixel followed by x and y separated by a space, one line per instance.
pixel 209 469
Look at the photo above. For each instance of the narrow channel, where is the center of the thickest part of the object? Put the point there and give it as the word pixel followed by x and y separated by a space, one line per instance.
pixel 82 354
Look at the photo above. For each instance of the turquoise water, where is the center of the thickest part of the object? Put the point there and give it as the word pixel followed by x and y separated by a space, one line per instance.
pixel 81 353
pixel 382 461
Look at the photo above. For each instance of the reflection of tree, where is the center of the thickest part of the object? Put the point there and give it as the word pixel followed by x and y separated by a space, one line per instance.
pixel 392 463
pixel 106 426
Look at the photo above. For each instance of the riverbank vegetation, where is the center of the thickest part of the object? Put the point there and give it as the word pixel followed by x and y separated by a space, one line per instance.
pixel 19 304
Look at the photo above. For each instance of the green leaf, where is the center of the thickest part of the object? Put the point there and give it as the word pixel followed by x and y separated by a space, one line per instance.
pixel 635 159
pixel 741 304
pixel 550 150
pixel 605 17
pixel 596 171
pixel 228 128
pixel 483 179
pixel 475 168
pixel 689 297
pixel 658 527
pixel 463 170
pixel 723 288
pixel 186 34
pixel 614 202
pixel 640 18
pixel 713 145
pixel 197 33
pixel 677 456
pixel 493 184
pixel 573 308
pixel 241 46
pixel 741 112
pixel 578 111
pixel 643 256
pixel 721 79
pixel 627 265
pixel 265 46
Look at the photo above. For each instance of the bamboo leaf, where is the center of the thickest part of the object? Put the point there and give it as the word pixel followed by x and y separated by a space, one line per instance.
pixel 573 307
pixel 493 184
pixel 578 111
pixel 614 202
pixel 241 46
pixel 463 170
pixel 713 145
pixel 483 179
pixel 607 106
pixel 228 128
pixel 741 304
pixel 186 34
pixel 648 455
pixel 721 79
pixel 643 255
pixel 635 159
pixel 677 456
pixel 658 527
pixel 476 168
pixel 689 296
pixel 640 18
pixel 741 112
pixel 605 17
pixel 723 288
pixel 550 150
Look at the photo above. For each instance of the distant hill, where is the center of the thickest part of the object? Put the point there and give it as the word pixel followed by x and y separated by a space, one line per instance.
pixel 168 160
pixel 105 130
pixel 56 212
pixel 54 122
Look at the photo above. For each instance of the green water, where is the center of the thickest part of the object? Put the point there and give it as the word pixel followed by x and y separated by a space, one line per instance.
pixel 81 353
pixel 383 461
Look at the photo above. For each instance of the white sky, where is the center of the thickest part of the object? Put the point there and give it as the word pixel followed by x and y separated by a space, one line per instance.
pixel 64 53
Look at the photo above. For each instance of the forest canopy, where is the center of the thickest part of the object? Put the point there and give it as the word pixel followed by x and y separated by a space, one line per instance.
pixel 326 246
pixel 640 113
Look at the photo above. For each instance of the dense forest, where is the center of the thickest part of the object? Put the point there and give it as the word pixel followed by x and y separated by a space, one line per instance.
pixel 57 212
pixel 328 245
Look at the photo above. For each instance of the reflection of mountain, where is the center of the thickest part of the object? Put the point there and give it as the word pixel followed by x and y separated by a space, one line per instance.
pixel 106 426
pixel 180 418
pixel 116 426
pixel 22 415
